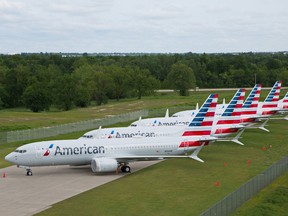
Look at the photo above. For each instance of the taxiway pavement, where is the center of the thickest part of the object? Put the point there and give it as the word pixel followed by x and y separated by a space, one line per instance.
pixel 23 195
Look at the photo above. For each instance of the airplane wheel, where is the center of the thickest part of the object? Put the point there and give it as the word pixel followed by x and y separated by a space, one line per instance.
pixel 125 169
pixel 29 173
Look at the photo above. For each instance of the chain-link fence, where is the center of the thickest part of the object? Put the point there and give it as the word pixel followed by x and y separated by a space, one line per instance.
pixel 38 133
pixel 234 200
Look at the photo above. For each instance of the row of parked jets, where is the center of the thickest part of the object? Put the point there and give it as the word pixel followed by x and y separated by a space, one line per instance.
pixel 182 135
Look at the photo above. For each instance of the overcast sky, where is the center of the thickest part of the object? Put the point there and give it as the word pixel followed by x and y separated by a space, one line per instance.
pixel 143 26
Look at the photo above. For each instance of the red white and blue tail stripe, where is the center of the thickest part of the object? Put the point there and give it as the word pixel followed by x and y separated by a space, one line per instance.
pixel 250 106
pixel 201 124
pixel 273 95
pixel 234 108
pixel 283 104
pixel 231 117
pixel 269 106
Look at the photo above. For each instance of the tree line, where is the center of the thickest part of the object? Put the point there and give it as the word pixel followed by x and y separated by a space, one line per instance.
pixel 39 81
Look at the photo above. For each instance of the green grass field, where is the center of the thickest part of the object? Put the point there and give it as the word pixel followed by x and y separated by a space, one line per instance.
pixel 174 186
pixel 19 119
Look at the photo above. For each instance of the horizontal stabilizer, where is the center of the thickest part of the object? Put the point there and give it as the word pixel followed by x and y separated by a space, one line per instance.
pixel 194 155
pixel 262 126
pixel 235 139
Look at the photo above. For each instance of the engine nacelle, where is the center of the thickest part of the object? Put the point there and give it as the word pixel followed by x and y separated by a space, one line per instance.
pixel 103 165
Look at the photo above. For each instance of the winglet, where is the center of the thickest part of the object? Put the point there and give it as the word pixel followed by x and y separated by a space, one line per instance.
pixel 99 132
pixel 197 107
pixel 167 113
pixel 194 155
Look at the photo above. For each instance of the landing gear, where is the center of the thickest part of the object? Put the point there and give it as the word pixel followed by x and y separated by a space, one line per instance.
pixel 125 169
pixel 29 172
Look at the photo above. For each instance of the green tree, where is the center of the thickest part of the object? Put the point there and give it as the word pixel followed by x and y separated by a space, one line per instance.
pixel 37 98
pixel 122 78
pixel 144 83
pixel 64 91
pixel 16 81
pixel 102 87
pixel 82 96
pixel 182 78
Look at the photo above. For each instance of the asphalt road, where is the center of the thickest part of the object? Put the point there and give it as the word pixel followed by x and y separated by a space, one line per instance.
pixel 27 195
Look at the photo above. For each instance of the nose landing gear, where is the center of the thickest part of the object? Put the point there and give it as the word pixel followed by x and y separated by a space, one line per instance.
pixel 29 172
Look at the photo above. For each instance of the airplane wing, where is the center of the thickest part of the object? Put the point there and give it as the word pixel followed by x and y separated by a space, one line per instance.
pixel 131 158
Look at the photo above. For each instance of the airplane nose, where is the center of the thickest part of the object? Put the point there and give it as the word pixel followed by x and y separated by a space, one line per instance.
pixel 9 158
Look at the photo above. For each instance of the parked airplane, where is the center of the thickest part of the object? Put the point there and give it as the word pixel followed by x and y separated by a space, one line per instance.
pixel 142 131
pixel 107 155
pixel 253 110
pixel 227 120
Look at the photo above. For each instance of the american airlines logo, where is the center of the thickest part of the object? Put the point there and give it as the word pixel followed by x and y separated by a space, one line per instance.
pixel 81 150
pixel 48 150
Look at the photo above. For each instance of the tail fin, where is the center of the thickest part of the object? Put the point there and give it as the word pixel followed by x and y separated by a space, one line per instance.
pixel 230 116
pixel 201 124
pixel 283 104
pixel 233 109
pixel 251 103
pixel 250 106
pixel 271 102
pixel 273 95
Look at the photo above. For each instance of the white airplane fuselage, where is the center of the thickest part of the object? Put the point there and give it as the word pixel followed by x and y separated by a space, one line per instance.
pixel 82 151
pixel 130 132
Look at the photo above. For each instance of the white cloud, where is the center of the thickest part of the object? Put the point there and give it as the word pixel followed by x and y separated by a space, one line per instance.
pixel 143 26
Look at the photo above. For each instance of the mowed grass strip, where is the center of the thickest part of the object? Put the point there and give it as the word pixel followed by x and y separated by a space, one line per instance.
pixel 20 118
pixel 183 186
pixel 272 200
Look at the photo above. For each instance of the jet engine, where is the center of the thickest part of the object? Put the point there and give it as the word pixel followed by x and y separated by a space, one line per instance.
pixel 103 165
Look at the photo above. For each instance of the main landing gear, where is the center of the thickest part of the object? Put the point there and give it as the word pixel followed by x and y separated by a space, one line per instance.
pixel 125 169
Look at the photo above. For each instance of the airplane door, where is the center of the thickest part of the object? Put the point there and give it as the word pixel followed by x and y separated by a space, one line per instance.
pixel 38 151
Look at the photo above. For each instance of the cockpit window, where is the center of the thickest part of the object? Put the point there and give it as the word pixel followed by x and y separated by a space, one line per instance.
pixel 20 151
pixel 88 136
pixel 133 125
